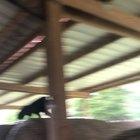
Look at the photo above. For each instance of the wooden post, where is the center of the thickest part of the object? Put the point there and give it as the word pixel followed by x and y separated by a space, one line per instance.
pixel 55 70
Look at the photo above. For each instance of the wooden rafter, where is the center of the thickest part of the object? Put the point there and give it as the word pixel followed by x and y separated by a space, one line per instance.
pixel 22 88
pixel 10 107
pixel 71 95
pixel 11 56
pixel 23 52
pixel 86 18
pixel 91 47
pixel 36 90
pixel 112 14
pixel 59 127
pixel 22 14
pixel 39 45
pixel 105 65
pixel 20 59
pixel 29 51
pixel 85 91
pixel 114 83
pixel 66 25
pixel 133 30
pixel 33 49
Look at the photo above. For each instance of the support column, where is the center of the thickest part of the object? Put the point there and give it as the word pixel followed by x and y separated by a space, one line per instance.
pixel 55 69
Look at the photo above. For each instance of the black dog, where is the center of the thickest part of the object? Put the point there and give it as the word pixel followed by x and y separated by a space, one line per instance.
pixel 40 105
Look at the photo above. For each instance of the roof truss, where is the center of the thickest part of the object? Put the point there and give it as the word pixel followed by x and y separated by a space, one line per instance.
pixel 114 83
pixel 112 14
pixel 91 47
pixel 90 12
pixel 36 90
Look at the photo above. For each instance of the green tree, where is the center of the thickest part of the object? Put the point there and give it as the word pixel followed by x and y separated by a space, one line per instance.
pixel 11 116
pixel 106 105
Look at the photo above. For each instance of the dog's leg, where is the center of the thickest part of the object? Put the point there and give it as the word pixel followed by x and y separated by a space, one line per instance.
pixel 39 115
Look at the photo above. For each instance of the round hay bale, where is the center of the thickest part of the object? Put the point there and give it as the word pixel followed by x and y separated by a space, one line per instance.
pixel 4 129
pixel 132 134
pixel 82 129
pixel 28 130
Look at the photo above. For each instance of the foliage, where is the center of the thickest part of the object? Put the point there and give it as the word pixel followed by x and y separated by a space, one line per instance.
pixel 10 116
pixel 106 105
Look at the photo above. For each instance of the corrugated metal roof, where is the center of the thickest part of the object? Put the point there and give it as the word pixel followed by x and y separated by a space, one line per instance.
pixel 107 74
pixel 19 26
pixel 130 6
pixel 73 40
pixel 25 67
pixel 103 55
pixel 36 61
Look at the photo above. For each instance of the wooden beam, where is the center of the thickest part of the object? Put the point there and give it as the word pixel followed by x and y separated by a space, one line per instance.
pixel 85 92
pixel 10 107
pixel 23 52
pixel 108 64
pixel 105 65
pixel 114 83
pixel 37 90
pixel 22 88
pixel 100 23
pixel 38 45
pixel 6 62
pixel 31 50
pixel 73 94
pixel 20 59
pixel 112 13
pixel 58 129
pixel 91 47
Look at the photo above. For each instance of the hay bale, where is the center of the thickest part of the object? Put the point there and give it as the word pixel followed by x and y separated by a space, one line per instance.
pixel 28 130
pixel 119 127
pixel 132 134
pixel 88 129
pixel 82 129
pixel 4 129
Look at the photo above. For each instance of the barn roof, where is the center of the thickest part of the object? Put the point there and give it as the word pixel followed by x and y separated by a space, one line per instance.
pixel 94 58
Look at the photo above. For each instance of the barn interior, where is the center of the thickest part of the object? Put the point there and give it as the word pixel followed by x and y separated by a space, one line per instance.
pixel 66 49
